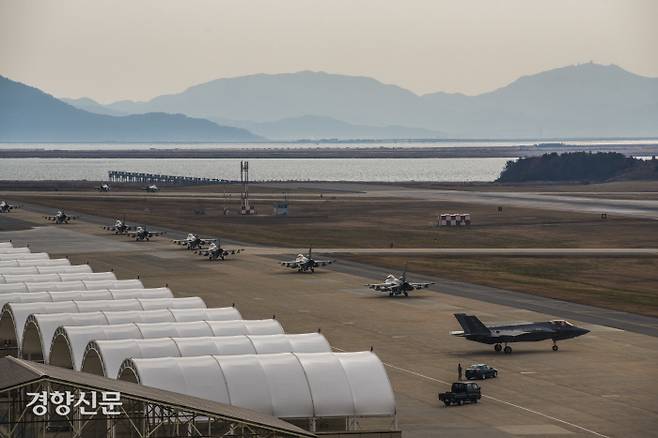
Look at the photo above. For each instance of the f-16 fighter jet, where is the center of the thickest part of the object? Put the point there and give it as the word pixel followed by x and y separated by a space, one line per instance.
pixel 152 188
pixel 216 252
pixel 305 263
pixel 61 218
pixel 193 241
pixel 399 286
pixel 6 207
pixel 103 188
pixel 119 227
pixel 141 234
pixel 475 330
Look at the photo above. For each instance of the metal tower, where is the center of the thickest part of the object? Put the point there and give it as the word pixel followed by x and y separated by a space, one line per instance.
pixel 245 207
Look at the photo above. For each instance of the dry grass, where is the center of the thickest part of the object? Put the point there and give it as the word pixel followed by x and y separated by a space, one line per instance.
pixel 628 284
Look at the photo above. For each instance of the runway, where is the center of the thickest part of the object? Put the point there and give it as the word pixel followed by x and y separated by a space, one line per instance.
pixel 603 384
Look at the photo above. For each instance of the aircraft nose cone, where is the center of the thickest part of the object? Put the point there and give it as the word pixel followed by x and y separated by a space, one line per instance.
pixel 581 331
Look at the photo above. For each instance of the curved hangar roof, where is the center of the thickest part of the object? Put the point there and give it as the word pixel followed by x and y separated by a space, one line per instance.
pixel 69 343
pixel 25 256
pixel 84 295
pixel 34 262
pixel 51 286
pixel 40 328
pixel 47 269
pixel 14 315
pixel 285 385
pixel 105 357
pixel 56 277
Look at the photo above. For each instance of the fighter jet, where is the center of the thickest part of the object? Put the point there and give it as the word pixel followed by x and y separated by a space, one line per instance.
pixel 216 252
pixel 193 241
pixel 475 330
pixel 141 234
pixel 152 188
pixel 119 227
pixel 103 188
pixel 61 218
pixel 6 207
pixel 306 263
pixel 398 286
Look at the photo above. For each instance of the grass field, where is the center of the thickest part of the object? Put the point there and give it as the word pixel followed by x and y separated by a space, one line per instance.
pixel 620 283
pixel 627 284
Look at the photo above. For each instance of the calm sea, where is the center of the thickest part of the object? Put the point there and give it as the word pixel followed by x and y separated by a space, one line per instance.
pixel 302 169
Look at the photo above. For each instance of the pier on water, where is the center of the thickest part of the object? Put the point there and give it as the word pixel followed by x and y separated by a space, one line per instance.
pixel 153 178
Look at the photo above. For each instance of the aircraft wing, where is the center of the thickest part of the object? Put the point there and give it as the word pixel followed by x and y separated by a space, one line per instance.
pixel 322 263
pixel 233 251
pixel 380 286
pixel 180 241
pixel 202 252
pixel 290 264
pixel 422 285
pixel 156 233
pixel 207 241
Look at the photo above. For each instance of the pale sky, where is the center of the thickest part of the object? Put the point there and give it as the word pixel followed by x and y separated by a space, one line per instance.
pixel 132 49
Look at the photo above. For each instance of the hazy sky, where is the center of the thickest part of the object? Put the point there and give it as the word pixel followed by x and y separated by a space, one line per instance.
pixel 133 49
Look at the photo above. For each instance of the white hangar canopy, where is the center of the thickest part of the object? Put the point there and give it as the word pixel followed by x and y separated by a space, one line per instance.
pixel 105 357
pixel 70 285
pixel 25 256
pixel 69 343
pixel 12 250
pixel 47 269
pixel 35 262
pixel 84 295
pixel 14 315
pixel 56 277
pixel 6 245
pixel 40 328
pixel 285 385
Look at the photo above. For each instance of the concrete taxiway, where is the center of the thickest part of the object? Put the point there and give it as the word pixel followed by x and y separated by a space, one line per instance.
pixel 603 384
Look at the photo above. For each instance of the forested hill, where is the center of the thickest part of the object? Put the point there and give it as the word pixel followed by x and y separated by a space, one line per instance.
pixel 579 166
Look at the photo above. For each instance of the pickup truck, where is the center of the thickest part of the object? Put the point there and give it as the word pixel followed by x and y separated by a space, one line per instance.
pixel 460 393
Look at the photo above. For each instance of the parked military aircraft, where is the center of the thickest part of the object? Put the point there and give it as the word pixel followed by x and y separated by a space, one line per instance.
pixel 475 330
pixel 6 207
pixel 61 218
pixel 306 263
pixel 152 188
pixel 103 188
pixel 398 286
pixel 216 252
pixel 119 227
pixel 141 233
pixel 193 241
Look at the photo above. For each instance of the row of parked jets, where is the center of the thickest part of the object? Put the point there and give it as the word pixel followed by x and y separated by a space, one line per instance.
pixel 152 188
pixel 498 335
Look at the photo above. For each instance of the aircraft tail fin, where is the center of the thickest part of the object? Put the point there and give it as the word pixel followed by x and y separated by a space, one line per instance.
pixel 471 324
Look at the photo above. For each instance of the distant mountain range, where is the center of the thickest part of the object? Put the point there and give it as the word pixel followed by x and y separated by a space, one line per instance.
pixel 30 115
pixel 586 100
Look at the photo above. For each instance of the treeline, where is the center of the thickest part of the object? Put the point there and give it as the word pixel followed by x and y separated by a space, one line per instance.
pixel 579 166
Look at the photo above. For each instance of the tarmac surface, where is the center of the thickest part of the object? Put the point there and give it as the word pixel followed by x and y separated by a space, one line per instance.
pixel 603 384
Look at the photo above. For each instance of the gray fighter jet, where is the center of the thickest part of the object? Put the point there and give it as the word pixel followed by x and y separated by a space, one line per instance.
pixel 399 286
pixel 194 241
pixel 305 263
pixel 475 330
pixel 5 207
pixel 119 227
pixel 216 252
pixel 141 234
pixel 61 218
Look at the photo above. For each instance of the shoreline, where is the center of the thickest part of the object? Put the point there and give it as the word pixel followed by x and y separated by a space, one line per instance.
pixel 511 152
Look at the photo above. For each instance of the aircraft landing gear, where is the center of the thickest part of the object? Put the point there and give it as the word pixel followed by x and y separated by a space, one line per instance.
pixel 406 294
pixel 555 348
pixel 507 349
pixel 312 270
pixel 498 348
